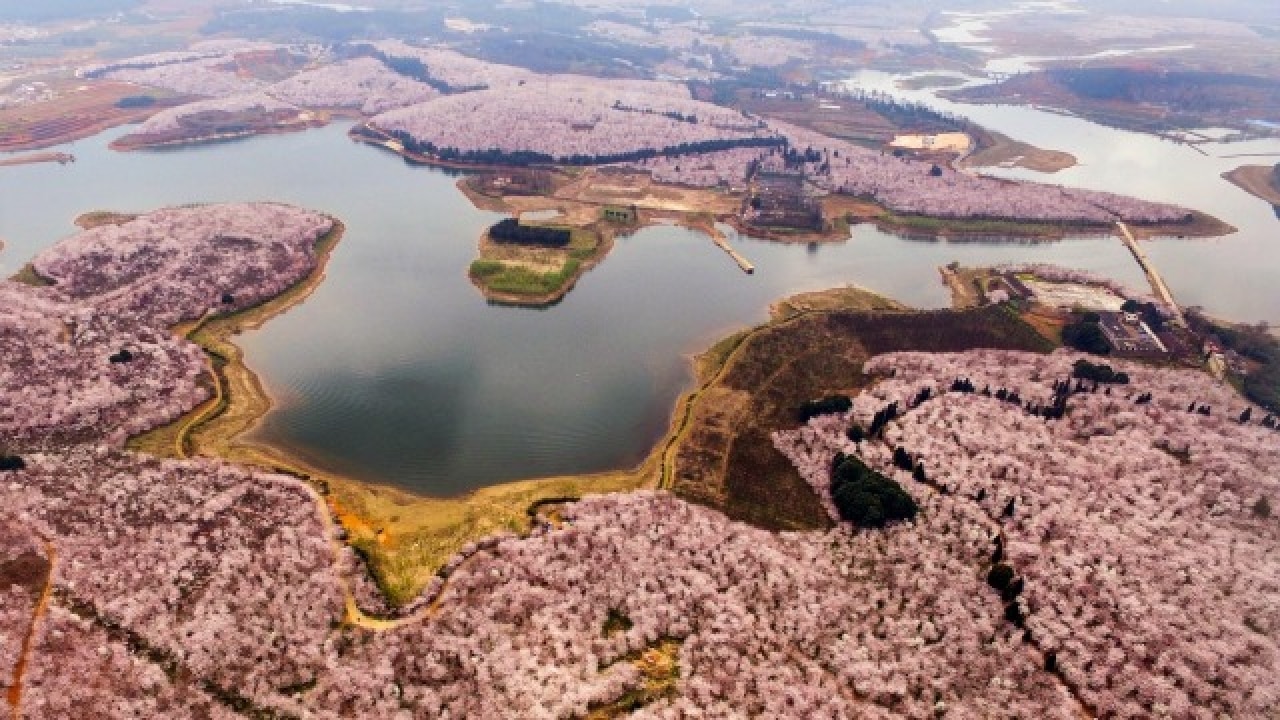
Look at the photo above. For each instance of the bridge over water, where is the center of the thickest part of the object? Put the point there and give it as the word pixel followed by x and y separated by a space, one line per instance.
pixel 1162 292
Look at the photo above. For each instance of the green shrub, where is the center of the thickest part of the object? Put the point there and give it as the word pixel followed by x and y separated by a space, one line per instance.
pixel 1262 508
pixel 856 433
pixel 520 280
pixel 1086 337
pixel 509 230
pixel 1099 373
pixel 826 406
pixel 615 622
pixel 1000 575
pixel 867 498
pixel 902 459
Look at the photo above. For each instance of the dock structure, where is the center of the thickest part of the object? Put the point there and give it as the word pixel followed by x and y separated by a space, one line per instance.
pixel 723 244
pixel 1158 285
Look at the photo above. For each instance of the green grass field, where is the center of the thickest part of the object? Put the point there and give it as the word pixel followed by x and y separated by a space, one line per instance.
pixel 502 277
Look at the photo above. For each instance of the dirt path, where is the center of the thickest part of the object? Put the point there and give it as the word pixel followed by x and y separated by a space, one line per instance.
pixel 964 293
pixel 1007 152
pixel 20 668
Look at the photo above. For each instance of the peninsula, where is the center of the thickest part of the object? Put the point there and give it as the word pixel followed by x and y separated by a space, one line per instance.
pixel 1260 181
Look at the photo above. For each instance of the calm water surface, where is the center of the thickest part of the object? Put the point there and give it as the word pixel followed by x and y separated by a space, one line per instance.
pixel 397 370
pixel 1235 276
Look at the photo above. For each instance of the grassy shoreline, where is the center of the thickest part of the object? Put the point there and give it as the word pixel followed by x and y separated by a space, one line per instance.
pixel 27 275
pixel 1201 225
pixel 239 399
pixel 407 537
pixel 124 144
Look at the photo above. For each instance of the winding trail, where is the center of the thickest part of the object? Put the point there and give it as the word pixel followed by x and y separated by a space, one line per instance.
pixel 688 403
pixel 20 667
pixel 352 614
pixel 212 406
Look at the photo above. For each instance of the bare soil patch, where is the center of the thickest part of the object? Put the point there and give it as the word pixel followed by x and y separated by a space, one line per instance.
pixel 98 218
pixel 844 119
pixel 1257 180
pixel 814 346
pixel 1003 151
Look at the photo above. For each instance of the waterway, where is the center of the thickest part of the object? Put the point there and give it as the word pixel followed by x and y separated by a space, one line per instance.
pixel 396 370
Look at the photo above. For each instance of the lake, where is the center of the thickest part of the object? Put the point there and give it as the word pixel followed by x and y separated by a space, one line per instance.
pixel 396 370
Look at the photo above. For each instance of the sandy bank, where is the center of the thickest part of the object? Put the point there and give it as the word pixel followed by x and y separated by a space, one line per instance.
pixel 1257 180
pixel 998 150
pixel 34 158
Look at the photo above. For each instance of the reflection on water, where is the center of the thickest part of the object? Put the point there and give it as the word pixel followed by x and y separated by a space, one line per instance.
pixel 397 370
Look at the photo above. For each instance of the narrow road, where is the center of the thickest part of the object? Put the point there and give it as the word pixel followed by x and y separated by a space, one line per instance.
pixel 1153 276
pixel 24 656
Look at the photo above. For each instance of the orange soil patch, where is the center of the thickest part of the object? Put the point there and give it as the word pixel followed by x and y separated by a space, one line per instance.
pixel 14 694
pixel 1046 321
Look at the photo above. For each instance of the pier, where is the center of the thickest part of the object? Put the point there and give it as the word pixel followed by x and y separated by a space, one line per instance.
pixel 723 243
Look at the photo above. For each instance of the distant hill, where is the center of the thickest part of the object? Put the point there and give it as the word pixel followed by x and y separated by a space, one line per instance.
pixel 26 11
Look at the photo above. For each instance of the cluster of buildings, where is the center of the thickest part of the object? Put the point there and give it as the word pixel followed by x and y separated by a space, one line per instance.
pixel 1127 331
pixel 1130 336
